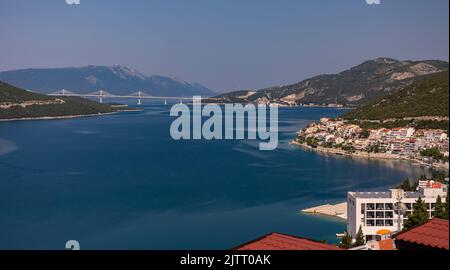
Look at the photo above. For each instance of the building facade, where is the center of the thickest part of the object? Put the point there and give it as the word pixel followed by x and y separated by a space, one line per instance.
pixel 378 213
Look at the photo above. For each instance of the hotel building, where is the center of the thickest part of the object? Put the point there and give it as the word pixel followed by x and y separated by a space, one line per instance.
pixel 377 213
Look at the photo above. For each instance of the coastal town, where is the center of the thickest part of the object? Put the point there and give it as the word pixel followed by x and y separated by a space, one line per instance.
pixel 429 147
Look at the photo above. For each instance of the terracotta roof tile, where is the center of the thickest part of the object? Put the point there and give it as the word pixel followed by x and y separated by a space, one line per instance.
pixel 433 233
pixel 277 241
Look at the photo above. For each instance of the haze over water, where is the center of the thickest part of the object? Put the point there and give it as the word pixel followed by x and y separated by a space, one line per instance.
pixel 121 182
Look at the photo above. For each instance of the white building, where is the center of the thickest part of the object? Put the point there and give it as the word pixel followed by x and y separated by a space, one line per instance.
pixel 376 212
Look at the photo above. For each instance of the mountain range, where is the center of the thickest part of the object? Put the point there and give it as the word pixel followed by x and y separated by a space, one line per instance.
pixel 120 80
pixel 353 87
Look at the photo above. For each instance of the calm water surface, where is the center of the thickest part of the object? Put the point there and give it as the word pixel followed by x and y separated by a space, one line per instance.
pixel 121 182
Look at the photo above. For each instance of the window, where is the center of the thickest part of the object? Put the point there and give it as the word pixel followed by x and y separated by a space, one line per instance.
pixel 408 206
pixel 389 214
pixel 370 206
pixel 379 222
pixel 380 214
pixel 389 206
pixel 370 215
pixel 370 223
pixel 389 222
pixel 380 206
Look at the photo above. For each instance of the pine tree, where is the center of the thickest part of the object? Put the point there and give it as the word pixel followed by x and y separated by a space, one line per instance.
pixel 406 185
pixel 446 208
pixel 346 241
pixel 360 241
pixel 419 215
pixel 439 209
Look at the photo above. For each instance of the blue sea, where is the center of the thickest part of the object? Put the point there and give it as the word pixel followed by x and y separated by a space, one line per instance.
pixel 121 182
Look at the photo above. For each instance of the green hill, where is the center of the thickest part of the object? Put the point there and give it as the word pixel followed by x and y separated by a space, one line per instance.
pixel 427 96
pixel 19 103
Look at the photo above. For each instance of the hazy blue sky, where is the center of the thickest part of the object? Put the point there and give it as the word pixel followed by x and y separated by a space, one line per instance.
pixel 223 44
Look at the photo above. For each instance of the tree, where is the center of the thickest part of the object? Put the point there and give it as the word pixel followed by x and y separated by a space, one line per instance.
pixel 364 134
pixel 446 208
pixel 439 176
pixel 406 185
pixel 346 241
pixel 439 209
pixel 434 153
pixel 419 215
pixel 360 238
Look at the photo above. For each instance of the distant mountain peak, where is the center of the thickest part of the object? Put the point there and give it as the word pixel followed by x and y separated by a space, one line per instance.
pixel 127 72
pixel 386 60
pixel 116 79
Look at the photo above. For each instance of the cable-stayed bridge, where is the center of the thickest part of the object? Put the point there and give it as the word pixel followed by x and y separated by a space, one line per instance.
pixel 102 94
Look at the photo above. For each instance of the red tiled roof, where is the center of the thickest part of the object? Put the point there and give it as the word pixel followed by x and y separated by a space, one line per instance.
pixel 433 233
pixel 277 241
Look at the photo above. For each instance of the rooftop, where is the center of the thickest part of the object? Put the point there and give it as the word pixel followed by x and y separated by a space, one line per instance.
pixel 384 195
pixel 372 195
pixel 277 241
pixel 433 233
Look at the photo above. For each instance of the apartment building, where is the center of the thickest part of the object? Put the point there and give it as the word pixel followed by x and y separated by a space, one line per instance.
pixel 379 213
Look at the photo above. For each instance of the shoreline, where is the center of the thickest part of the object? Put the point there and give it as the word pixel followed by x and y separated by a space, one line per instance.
pixel 70 116
pixel 330 210
pixel 366 155
pixel 57 117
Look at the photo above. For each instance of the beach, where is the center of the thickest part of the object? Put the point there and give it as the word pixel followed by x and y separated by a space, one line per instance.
pixel 335 210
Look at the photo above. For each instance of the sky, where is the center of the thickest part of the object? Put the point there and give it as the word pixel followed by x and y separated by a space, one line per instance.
pixel 223 44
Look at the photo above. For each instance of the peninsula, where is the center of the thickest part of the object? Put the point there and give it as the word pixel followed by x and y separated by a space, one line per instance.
pixel 20 104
